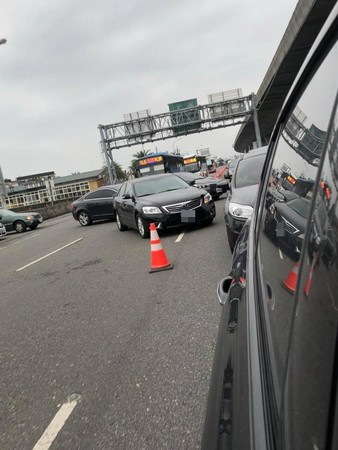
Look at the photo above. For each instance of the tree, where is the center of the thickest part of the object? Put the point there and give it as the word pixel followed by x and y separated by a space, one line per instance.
pixel 120 173
pixel 136 156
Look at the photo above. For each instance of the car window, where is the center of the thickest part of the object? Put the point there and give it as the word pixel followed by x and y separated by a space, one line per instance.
pixel 249 171
pixel 101 193
pixel 122 190
pixel 283 224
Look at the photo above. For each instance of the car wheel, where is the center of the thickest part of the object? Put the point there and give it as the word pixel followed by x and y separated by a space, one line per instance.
pixel 119 224
pixel 20 226
pixel 84 218
pixel 231 239
pixel 142 227
pixel 33 227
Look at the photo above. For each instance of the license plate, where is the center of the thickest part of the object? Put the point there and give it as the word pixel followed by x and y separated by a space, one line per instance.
pixel 188 216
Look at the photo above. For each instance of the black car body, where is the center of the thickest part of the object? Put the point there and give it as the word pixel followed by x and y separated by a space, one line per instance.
pixel 165 200
pixel 275 372
pixel 215 187
pixel 243 191
pixel 96 205
pixel 285 222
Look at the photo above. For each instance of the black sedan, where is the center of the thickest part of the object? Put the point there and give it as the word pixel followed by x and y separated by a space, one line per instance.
pixel 165 200
pixel 96 205
pixel 215 187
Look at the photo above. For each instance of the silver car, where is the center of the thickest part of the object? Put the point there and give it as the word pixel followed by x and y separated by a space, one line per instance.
pixel 3 231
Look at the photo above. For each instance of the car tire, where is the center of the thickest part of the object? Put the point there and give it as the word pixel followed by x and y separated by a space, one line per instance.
pixel 142 227
pixel 20 226
pixel 119 224
pixel 84 218
pixel 231 239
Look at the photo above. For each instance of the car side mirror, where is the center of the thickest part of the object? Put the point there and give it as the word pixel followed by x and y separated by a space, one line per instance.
pixel 126 196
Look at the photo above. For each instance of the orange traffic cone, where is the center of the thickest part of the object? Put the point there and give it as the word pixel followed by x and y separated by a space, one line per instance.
pixel 220 172
pixel 158 260
pixel 309 277
pixel 290 281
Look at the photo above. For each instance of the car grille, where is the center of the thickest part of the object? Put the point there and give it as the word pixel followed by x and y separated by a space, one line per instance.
pixel 36 215
pixel 177 207
pixel 288 226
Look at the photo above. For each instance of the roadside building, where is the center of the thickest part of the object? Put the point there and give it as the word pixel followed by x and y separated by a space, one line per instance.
pixel 46 188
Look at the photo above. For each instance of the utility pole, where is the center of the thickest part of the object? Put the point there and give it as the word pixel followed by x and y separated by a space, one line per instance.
pixel 256 123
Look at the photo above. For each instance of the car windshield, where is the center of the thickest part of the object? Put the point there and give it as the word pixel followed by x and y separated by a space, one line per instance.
pixel 300 206
pixel 156 185
pixel 249 171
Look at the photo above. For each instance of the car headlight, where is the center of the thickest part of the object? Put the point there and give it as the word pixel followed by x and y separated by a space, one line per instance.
pixel 29 218
pixel 151 210
pixel 207 198
pixel 242 211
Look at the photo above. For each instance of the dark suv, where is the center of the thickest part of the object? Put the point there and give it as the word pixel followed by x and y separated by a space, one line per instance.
pixel 275 372
pixel 241 199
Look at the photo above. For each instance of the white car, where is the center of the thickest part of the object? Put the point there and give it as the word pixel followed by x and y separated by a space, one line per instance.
pixel 3 231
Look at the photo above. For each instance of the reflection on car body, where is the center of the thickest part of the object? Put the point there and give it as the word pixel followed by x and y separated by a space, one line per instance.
pixel 275 371
pixel 165 200
pixel 98 204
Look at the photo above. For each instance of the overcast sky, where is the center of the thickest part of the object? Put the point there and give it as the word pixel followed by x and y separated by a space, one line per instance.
pixel 69 65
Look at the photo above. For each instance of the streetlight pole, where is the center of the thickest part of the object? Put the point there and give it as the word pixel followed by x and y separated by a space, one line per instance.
pixel 174 143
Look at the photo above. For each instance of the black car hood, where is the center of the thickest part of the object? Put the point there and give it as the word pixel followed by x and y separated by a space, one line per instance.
pixel 244 195
pixel 172 197
pixel 291 216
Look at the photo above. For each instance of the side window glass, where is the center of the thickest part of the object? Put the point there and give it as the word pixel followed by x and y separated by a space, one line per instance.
pixel 129 189
pixel 287 206
pixel 122 190
pixel 106 193
pixel 93 195
pixel 311 372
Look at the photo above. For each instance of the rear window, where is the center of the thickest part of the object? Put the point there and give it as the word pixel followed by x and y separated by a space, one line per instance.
pixel 249 171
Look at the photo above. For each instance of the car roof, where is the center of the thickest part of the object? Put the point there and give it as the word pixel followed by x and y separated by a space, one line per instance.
pixel 255 152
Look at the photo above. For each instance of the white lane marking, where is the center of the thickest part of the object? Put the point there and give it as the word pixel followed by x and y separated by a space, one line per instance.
pixel 49 254
pixel 180 236
pixel 280 254
pixel 57 423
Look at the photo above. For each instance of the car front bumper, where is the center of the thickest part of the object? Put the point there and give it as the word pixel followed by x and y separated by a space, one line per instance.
pixel 201 214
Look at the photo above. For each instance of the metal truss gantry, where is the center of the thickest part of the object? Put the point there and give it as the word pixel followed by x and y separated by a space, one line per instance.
pixel 142 127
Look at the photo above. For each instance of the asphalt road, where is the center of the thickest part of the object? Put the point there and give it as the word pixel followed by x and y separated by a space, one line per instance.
pixel 131 351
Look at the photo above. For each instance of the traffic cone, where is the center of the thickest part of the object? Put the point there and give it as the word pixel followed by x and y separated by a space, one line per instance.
pixel 309 277
pixel 290 281
pixel 158 259
pixel 220 172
